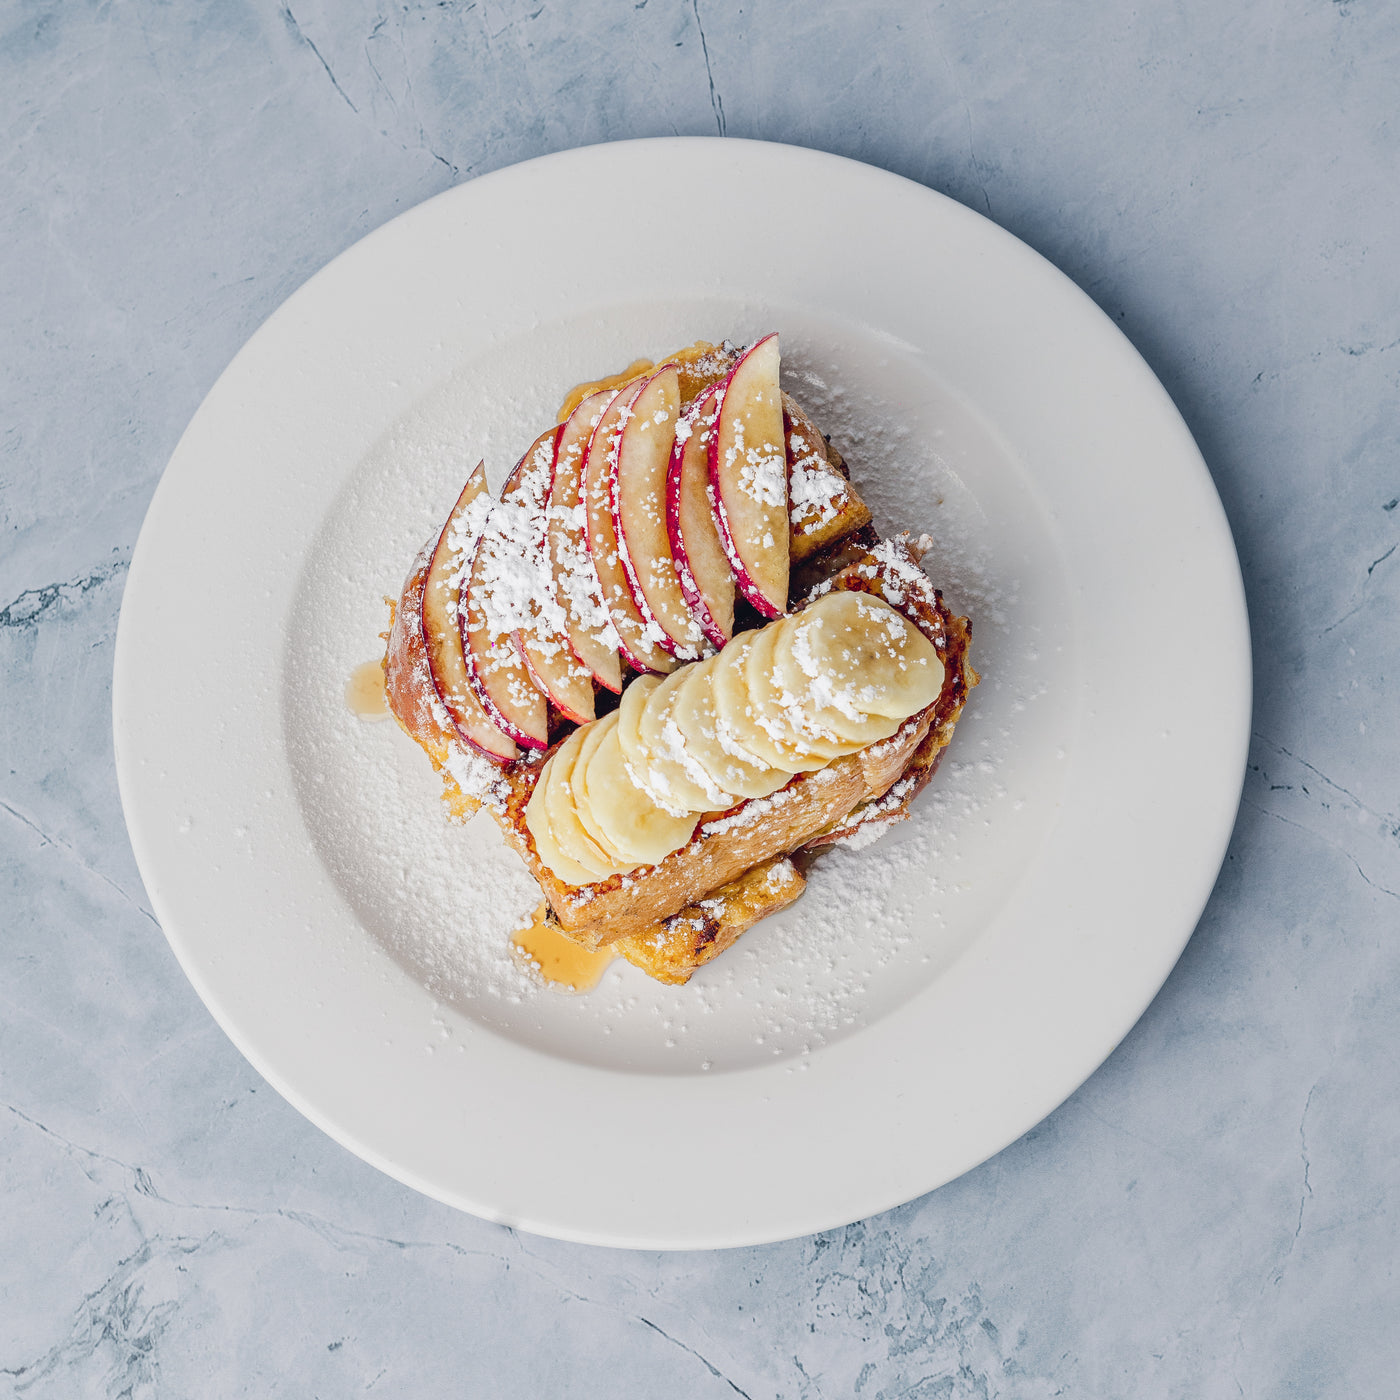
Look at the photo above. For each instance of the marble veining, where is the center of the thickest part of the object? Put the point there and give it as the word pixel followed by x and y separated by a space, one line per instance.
pixel 1211 1214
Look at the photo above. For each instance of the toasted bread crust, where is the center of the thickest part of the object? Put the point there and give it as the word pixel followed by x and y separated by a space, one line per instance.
pixel 723 848
pixel 410 693
pixel 408 683
pixel 672 950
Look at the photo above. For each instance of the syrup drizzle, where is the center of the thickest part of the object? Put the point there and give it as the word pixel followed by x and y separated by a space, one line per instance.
pixel 364 694
pixel 560 960
pixel 579 392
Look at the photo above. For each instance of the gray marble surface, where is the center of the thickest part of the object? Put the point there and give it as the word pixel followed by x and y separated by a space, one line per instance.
pixel 1213 1214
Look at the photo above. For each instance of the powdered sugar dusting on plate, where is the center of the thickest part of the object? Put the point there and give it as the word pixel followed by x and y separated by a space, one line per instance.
pixel 875 923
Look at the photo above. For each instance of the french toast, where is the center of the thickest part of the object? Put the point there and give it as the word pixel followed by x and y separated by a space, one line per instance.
pixel 678 604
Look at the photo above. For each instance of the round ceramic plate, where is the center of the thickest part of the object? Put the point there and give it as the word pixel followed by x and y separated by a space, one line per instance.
pixel 934 994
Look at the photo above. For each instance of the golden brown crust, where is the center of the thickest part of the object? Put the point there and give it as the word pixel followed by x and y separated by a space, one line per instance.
pixel 672 950
pixel 886 809
pixel 700 365
pixel 408 683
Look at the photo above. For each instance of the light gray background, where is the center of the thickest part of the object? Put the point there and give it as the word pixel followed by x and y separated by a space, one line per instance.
pixel 1212 1214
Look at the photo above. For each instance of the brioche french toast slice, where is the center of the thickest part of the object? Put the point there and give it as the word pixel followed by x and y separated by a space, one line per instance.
pixel 674 949
pixel 648 911
pixel 809 809
pixel 891 775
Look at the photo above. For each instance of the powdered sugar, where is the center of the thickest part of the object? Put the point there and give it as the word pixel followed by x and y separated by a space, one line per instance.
pixel 475 775
pixel 761 472
pixel 514 573
pixel 815 491
pixel 673 747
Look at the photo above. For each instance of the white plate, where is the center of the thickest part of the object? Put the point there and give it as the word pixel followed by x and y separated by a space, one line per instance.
pixel 930 998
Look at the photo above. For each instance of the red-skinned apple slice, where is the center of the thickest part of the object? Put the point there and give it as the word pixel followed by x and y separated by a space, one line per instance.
pixel 639 638
pixel 442 636
pixel 528 484
pixel 542 642
pixel 496 601
pixel 587 622
pixel 748 478
pixel 639 515
pixel 706 580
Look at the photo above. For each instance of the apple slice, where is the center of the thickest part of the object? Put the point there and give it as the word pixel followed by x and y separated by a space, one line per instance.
pixel 748 478
pixel 707 582
pixel 442 635
pixel 639 638
pixel 542 641
pixel 644 453
pixel 576 590
pixel 496 602
pixel 528 484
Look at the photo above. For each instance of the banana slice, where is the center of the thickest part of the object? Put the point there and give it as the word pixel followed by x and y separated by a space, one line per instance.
pixel 861 667
pixel 731 700
pixel 636 827
pixel 592 736
pixel 734 726
pixel 779 697
pixel 630 715
pixel 767 734
pixel 818 728
pixel 561 804
pixel 673 774
pixel 542 833
pixel 635 753
pixel 549 817
pixel 712 743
